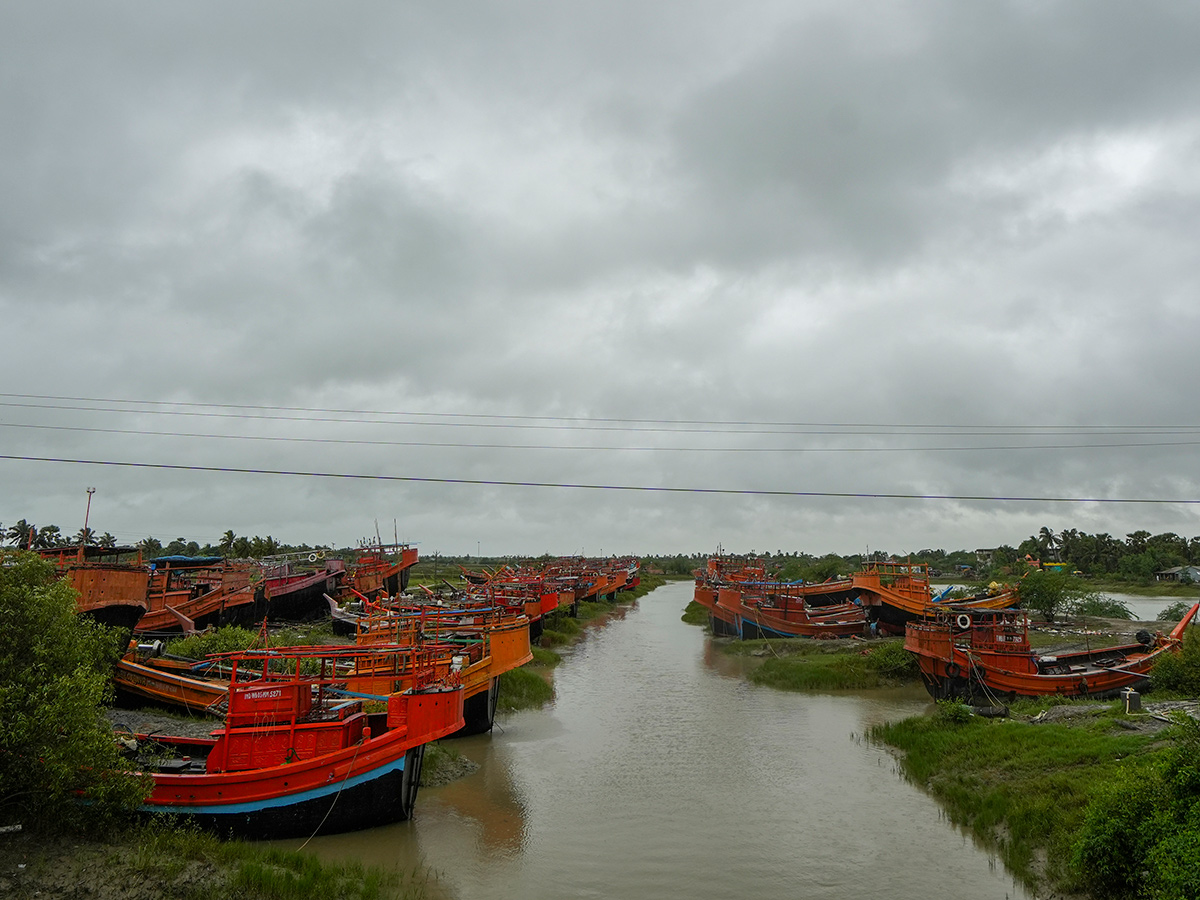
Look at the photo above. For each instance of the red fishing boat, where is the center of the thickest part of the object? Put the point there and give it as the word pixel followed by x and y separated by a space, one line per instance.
pixel 381 569
pixel 188 591
pixel 744 603
pixel 112 592
pixel 301 753
pixel 969 653
pixel 896 593
pixel 295 585
pixel 486 642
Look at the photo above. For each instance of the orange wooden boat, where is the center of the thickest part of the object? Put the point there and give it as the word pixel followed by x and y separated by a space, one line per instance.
pixel 484 644
pixel 972 653
pixel 113 593
pixel 896 593
pixel 381 570
pixel 202 591
pixel 298 753
pixel 744 603
pixel 182 685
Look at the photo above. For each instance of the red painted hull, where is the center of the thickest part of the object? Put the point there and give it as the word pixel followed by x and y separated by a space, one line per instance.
pixel 973 654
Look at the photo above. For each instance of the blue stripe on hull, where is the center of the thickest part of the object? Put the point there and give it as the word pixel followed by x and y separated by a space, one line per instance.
pixel 327 790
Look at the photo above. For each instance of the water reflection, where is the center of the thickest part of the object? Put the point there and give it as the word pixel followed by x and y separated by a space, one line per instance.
pixel 660 773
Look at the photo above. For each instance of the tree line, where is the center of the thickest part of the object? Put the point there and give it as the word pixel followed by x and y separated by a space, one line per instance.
pixel 1135 559
pixel 26 536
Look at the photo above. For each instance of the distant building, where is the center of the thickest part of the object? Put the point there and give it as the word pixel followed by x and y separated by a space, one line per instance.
pixel 984 557
pixel 1179 573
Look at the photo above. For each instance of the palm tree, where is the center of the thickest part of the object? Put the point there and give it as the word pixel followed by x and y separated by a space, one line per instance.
pixel 227 540
pixel 1048 543
pixel 150 547
pixel 49 536
pixel 22 534
pixel 108 541
pixel 85 537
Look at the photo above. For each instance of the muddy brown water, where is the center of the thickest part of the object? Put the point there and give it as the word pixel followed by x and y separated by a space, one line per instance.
pixel 659 772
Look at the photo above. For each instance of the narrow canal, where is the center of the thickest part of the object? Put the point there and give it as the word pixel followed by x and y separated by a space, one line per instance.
pixel 659 773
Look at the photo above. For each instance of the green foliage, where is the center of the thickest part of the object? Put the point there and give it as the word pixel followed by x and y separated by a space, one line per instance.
pixel 1174 612
pixel 523 689
pixel 590 609
pixel 803 664
pixel 1018 786
pixel 1093 604
pixel 695 614
pixel 1179 673
pixel 55 749
pixel 547 659
pixel 891 661
pixel 1051 592
pixel 221 640
pixel 1140 834
pixel 954 712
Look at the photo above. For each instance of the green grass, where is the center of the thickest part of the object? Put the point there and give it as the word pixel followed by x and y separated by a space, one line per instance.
pixel 195 865
pixel 695 614
pixel 593 609
pixel 807 665
pixel 1019 787
pixel 523 689
pixel 545 658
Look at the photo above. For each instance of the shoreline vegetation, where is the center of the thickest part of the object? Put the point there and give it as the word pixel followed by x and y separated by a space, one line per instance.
pixel 1077 798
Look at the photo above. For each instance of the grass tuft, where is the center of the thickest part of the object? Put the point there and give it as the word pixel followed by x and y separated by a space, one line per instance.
pixel 523 689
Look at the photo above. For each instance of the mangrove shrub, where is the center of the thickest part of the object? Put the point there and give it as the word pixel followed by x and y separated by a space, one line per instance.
pixel 1179 672
pixel 1140 835
pixel 58 762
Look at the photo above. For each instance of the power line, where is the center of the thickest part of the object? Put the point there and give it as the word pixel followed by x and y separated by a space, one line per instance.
pixel 510 421
pixel 860 495
pixel 590 448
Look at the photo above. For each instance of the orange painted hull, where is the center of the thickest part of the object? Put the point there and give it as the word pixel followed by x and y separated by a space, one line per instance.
pixel 972 654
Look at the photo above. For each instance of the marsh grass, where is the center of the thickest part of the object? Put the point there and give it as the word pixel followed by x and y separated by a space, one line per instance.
pixel 593 609
pixel 695 614
pixel 802 664
pixel 523 689
pixel 200 865
pixel 545 658
pixel 1019 787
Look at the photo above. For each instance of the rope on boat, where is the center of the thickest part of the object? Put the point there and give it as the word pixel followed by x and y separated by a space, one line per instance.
pixel 349 769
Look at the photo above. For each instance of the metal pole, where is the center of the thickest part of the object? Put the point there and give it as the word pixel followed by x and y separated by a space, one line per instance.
pixel 86 515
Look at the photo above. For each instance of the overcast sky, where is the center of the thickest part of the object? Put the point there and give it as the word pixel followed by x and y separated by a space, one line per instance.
pixel 936 249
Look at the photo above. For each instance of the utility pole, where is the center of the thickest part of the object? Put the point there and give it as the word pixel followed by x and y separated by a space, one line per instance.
pixel 86 515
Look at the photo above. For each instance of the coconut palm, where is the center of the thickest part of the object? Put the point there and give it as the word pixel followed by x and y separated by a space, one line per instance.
pixel 22 534
pixel 1047 542
pixel 49 536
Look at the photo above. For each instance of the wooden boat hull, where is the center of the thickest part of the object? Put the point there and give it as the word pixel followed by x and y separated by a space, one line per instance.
pixel 369 779
pixel 960 658
pixel 196 695
pixel 301 596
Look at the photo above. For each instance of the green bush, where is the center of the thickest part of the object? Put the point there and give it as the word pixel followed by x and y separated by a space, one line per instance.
pixel 953 711
pixel 222 640
pixel 59 765
pixel 892 661
pixel 1100 606
pixel 1051 593
pixel 1139 834
pixel 1174 612
pixel 1179 672
pixel 523 689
